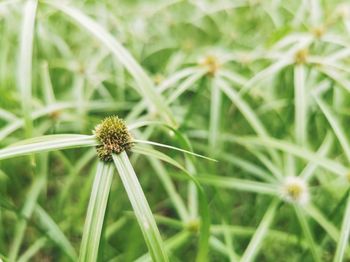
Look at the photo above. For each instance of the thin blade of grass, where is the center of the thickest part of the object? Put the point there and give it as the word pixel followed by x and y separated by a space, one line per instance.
pixel 24 74
pixel 307 233
pixel 300 105
pixel 172 147
pixel 239 184
pixel 344 234
pixel 144 83
pixel 334 123
pixel 89 248
pixel 256 242
pixel 141 208
pixel 326 163
pixel 54 232
pixel 47 143
pixel 215 110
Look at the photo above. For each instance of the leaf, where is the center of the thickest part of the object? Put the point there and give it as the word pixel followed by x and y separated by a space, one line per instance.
pixel 344 234
pixel 141 208
pixel 256 241
pixel 89 248
pixel 144 83
pixel 172 147
pixel 54 232
pixel 47 143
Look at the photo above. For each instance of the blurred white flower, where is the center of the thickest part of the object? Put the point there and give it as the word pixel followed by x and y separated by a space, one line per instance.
pixel 295 190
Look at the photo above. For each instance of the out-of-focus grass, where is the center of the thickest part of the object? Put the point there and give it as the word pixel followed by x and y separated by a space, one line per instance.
pixel 261 86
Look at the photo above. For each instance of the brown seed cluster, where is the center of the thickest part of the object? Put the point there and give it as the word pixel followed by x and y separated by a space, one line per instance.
pixel 114 137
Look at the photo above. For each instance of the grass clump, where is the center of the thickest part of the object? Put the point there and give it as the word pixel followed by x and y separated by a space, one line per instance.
pixel 114 136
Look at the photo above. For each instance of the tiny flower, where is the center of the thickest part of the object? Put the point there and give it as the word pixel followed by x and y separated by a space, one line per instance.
pixel 211 63
pixel 300 56
pixel 294 190
pixel 114 137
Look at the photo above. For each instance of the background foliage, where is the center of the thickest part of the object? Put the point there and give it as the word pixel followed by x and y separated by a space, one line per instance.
pixel 261 86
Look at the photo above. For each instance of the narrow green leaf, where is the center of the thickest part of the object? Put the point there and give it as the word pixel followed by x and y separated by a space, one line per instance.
pixel 307 233
pixel 300 105
pixel 172 147
pixel 141 208
pixel 144 83
pixel 239 184
pixel 89 248
pixel 338 130
pixel 47 143
pixel 24 74
pixel 256 242
pixel 344 234
pixel 215 114
pixel 326 163
pixel 54 232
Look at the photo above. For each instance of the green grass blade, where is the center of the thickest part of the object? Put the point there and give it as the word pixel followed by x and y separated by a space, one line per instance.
pixel 89 248
pixel 338 130
pixel 326 163
pixel 33 249
pixel 215 110
pixel 307 233
pixel 153 156
pixel 255 243
pixel 24 74
pixel 344 234
pixel 29 206
pixel 144 83
pixel 141 208
pixel 238 184
pixel 172 147
pixel 323 221
pixel 54 232
pixel 300 105
pixel 47 143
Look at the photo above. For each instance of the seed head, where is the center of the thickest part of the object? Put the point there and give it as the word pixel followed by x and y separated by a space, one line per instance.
pixel 114 137
pixel 295 190
pixel 301 56
pixel 211 63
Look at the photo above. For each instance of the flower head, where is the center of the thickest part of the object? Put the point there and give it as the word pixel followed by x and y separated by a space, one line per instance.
pixel 114 136
pixel 294 190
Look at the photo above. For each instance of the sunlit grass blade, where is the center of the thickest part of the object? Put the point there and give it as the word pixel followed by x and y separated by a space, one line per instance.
pixel 215 110
pixel 144 83
pixel 141 208
pixel 153 156
pixel 204 223
pixel 331 165
pixel 300 104
pixel 256 242
pixel 172 147
pixel 337 128
pixel 344 234
pixel 239 184
pixel 308 171
pixel 47 143
pixel 24 74
pixel 89 248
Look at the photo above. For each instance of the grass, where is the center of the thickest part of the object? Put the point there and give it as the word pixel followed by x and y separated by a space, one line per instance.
pixel 234 145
